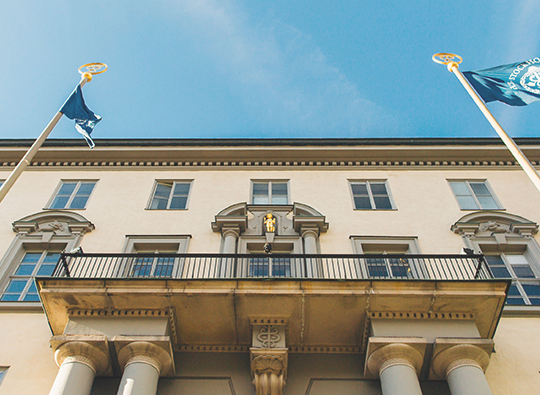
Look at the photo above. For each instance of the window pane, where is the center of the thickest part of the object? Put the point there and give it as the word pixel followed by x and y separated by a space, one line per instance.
pixel 10 297
pixel 158 204
pixel 382 202
pixel 359 189
pixel 31 298
pixel 16 286
pixel 178 203
pixel 279 199
pixel 52 257
pixel 467 203
pixel 86 188
pixel 500 272
pixel 523 271
pixel 362 203
pixel 488 203
pixel 531 289
pixel 163 191
pixel 514 291
pixel 378 189
pixel 67 188
pixel 260 199
pixel 460 188
pixel 279 188
pixel 181 188
pixel 46 270
pixel 535 301
pixel 59 202
pixel 25 270
pixel 480 188
pixel 494 260
pixel 78 202
pixel 260 188
pixel 514 301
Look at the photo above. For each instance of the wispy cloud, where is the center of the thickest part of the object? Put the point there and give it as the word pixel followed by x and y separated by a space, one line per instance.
pixel 281 73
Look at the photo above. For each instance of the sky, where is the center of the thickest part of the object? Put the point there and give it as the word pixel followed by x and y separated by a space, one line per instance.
pixel 262 69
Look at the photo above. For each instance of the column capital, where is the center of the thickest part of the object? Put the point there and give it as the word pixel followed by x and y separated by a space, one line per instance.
pixel 450 354
pixel 309 231
pixel 383 353
pixel 91 351
pixel 151 350
pixel 230 231
pixel 269 370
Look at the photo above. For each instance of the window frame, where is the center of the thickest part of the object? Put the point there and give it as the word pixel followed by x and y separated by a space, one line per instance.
pixel 29 278
pixel 269 183
pixel 370 194
pixel 408 243
pixel 171 195
pixel 72 195
pixel 473 194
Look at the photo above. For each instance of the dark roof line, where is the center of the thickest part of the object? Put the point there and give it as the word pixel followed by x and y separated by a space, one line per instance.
pixel 160 142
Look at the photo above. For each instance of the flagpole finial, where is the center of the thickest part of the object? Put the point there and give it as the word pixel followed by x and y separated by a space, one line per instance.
pixel 449 59
pixel 89 69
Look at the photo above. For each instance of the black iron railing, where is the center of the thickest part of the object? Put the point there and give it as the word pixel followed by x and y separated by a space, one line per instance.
pixel 322 266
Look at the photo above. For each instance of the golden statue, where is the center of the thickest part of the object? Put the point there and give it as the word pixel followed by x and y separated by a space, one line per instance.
pixel 270 223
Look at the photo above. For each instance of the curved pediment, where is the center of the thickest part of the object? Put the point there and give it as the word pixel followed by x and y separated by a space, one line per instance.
pixel 485 223
pixel 57 221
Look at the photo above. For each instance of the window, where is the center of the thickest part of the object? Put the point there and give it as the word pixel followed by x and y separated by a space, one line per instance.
pixel 524 289
pixel 170 195
pixel 474 195
pixel 270 192
pixel 150 265
pixel 371 195
pixel 3 371
pixel 21 285
pixel 385 263
pixel 72 195
pixel 268 265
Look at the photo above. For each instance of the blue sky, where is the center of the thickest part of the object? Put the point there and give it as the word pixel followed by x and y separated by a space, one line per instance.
pixel 261 69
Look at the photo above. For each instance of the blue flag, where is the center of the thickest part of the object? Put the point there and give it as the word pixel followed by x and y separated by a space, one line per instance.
pixel 516 84
pixel 85 119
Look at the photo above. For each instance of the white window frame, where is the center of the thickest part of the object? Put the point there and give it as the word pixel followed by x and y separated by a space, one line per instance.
pixel 269 182
pixel 72 196
pixel 28 277
pixel 386 244
pixel 370 194
pixel 153 243
pixel 169 199
pixel 473 195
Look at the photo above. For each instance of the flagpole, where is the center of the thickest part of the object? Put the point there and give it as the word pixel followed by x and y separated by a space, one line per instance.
pixel 453 66
pixel 86 76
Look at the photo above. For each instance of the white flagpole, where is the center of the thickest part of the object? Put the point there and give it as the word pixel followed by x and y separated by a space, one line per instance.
pixel 453 66
pixel 27 158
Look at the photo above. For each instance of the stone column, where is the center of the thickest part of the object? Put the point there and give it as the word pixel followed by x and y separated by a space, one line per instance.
pixel 463 366
pixel 398 366
pixel 79 363
pixel 310 236
pixel 143 362
pixel 226 265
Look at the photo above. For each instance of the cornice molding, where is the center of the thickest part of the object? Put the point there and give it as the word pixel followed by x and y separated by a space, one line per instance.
pixel 265 164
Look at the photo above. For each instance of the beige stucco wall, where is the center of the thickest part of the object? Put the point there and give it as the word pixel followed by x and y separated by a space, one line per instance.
pixel 25 349
pixel 515 366
pixel 426 207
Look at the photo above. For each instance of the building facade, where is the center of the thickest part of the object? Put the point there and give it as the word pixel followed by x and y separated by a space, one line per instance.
pixel 368 266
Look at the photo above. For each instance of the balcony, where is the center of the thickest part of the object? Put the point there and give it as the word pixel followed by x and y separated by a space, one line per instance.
pixel 326 300
pixel 273 266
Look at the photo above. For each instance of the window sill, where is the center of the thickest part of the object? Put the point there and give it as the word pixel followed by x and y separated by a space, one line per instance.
pixel 375 209
pixel 21 306
pixel 64 209
pixel 483 209
pixel 521 311
pixel 166 209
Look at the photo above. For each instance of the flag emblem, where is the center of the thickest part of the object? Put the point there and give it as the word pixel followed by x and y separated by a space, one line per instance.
pixel 516 84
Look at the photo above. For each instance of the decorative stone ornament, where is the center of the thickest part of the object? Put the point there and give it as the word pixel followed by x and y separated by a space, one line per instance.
pixel 269 370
